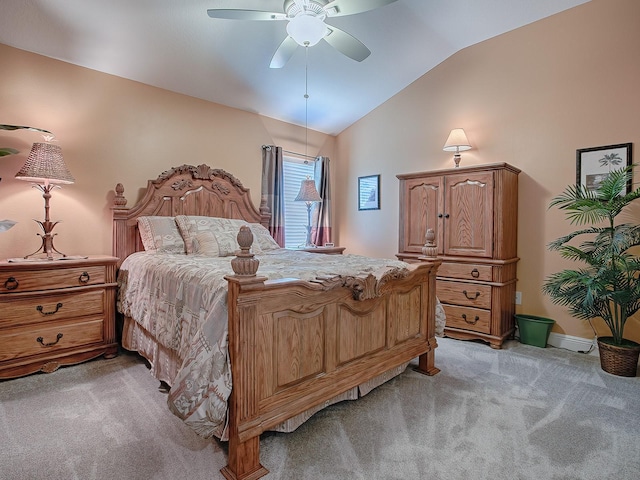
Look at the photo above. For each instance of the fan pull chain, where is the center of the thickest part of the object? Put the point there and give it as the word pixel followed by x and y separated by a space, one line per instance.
pixel 306 98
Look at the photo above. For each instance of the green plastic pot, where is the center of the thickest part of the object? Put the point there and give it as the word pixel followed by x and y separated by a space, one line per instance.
pixel 534 330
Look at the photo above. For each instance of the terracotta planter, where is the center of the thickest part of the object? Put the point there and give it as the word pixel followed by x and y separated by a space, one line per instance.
pixel 621 360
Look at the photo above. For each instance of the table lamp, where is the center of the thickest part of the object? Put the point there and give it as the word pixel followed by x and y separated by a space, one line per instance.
pixel 45 168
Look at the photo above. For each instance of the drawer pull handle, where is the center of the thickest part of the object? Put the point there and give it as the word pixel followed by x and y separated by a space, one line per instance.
pixel 40 308
pixel 85 277
pixel 475 273
pixel 40 340
pixel 11 283
pixel 464 317
pixel 469 297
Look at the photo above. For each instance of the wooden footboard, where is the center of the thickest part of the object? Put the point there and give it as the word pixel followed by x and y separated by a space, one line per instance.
pixel 296 344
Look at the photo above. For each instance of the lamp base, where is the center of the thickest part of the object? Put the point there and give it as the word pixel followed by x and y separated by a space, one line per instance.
pixel 308 243
pixel 456 159
pixel 47 226
pixel 47 242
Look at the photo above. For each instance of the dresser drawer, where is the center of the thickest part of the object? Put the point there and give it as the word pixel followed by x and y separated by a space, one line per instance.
pixel 465 271
pixel 462 293
pixel 50 337
pixel 13 281
pixel 468 318
pixel 44 308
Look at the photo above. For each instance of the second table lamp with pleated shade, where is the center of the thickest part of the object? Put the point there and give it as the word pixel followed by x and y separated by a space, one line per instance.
pixel 309 194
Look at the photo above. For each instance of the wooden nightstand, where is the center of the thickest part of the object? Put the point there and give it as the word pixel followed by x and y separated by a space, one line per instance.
pixel 325 250
pixel 55 313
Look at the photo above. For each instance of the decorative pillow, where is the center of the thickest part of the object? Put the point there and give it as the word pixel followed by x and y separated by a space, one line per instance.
pixel 228 243
pixel 263 237
pixel 160 234
pixel 205 243
pixel 225 231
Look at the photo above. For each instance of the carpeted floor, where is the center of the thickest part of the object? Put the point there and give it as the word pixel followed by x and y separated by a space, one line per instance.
pixel 518 413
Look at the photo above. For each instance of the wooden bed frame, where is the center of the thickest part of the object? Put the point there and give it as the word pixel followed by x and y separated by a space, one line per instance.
pixel 292 344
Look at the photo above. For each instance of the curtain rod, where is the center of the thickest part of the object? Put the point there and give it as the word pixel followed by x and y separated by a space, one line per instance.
pixel 299 154
pixel 267 147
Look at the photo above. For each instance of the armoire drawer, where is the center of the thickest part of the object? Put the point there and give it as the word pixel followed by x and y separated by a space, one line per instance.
pixel 468 318
pixel 15 281
pixel 47 338
pixel 462 293
pixel 44 308
pixel 466 271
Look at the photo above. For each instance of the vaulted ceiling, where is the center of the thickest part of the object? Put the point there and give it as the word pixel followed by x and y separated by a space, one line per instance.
pixel 175 45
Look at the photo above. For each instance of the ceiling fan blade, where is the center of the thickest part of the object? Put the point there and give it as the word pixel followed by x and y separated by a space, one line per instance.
pixel 347 44
pixel 240 14
pixel 338 8
pixel 284 52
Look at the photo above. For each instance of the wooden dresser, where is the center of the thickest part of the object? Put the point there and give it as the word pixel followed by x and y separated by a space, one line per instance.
pixel 55 313
pixel 474 213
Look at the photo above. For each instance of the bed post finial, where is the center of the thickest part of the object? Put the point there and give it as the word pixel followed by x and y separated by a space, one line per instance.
pixel 245 265
pixel 430 250
pixel 119 200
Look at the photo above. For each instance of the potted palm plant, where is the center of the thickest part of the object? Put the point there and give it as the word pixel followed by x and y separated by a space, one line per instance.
pixel 608 284
pixel 10 151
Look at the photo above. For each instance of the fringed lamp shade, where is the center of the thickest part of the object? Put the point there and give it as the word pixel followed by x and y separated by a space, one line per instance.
pixel 45 165
pixel 308 192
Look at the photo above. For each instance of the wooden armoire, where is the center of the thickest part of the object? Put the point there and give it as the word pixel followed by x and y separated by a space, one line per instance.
pixel 474 213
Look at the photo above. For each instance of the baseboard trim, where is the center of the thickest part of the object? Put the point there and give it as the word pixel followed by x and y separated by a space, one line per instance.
pixel 569 342
pixel 575 344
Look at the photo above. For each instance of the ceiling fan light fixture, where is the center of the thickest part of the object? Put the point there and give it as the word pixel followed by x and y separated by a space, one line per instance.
pixel 306 29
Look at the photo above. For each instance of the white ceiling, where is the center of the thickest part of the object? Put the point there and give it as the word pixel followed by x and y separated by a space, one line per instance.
pixel 174 45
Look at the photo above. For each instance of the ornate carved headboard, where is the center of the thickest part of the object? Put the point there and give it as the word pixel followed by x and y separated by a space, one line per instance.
pixel 184 190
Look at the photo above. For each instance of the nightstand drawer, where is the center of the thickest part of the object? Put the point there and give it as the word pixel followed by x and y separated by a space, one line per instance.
pixel 44 308
pixel 55 313
pixel 31 280
pixel 465 271
pixel 26 341
pixel 461 293
pixel 468 318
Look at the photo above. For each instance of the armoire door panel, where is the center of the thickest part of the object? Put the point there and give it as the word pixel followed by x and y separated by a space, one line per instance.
pixel 469 214
pixel 423 204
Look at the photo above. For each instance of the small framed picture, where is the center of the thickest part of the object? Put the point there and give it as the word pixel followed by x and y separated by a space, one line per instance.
pixel 369 192
pixel 594 164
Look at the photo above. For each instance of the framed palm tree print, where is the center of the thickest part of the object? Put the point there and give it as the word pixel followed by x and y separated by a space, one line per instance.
pixel 594 164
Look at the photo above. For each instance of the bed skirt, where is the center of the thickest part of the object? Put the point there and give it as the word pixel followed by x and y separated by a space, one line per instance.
pixel 165 365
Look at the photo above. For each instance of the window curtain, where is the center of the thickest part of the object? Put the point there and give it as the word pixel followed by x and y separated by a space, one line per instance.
pixel 321 234
pixel 273 189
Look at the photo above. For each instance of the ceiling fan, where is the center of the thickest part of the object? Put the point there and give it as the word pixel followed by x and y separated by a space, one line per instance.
pixel 307 25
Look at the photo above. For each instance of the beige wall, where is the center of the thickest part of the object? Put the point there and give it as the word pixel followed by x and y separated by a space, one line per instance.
pixel 114 130
pixel 530 98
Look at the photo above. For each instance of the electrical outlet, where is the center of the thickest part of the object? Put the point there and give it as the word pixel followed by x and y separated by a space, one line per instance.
pixel 518 298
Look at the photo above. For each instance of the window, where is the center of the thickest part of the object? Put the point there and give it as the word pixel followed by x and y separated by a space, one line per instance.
pixel 295 213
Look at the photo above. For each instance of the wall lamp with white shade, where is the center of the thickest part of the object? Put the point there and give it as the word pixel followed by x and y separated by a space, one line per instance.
pixel 457 142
